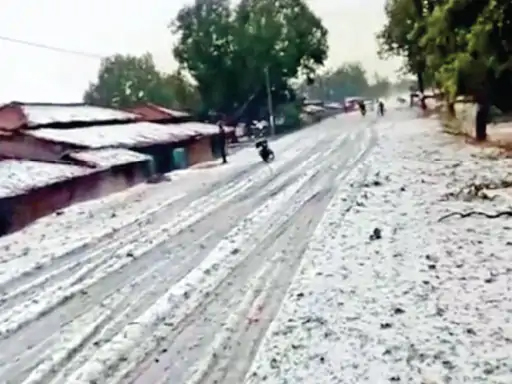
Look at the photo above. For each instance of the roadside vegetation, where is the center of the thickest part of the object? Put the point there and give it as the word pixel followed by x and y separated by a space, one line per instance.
pixel 462 48
pixel 229 57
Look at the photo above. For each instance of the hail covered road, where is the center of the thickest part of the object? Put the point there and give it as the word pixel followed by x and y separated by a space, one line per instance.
pixel 186 293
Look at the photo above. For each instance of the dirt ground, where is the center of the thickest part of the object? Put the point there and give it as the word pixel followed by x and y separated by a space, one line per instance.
pixel 499 133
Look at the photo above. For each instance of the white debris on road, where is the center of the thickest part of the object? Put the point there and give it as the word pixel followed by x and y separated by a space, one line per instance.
pixel 80 224
pixel 70 304
pixel 425 302
pixel 180 281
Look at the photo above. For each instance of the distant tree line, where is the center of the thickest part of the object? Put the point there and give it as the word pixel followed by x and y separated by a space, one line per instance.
pixel 350 80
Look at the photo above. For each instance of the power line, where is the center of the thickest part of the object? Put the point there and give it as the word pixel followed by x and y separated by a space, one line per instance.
pixel 52 48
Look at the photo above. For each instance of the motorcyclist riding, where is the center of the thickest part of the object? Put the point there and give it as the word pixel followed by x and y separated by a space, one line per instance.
pixel 266 154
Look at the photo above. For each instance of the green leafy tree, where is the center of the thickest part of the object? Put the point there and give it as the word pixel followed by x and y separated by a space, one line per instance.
pixel 466 45
pixel 401 36
pixel 463 45
pixel 206 49
pixel 232 51
pixel 184 93
pixel 124 81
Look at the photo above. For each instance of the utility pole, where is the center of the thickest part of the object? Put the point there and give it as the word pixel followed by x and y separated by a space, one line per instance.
pixel 269 100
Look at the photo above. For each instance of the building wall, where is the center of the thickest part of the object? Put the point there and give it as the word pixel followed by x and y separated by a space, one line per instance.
pixel 200 151
pixel 19 211
pixel 29 148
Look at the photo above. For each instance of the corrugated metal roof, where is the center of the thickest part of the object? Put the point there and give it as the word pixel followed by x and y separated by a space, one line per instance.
pixel 126 135
pixel 171 112
pixel 109 157
pixel 21 176
pixel 45 114
pixel 200 128
pixel 153 112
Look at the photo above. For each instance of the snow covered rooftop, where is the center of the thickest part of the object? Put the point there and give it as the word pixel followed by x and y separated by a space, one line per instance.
pixel 126 135
pixel 37 114
pixel 154 113
pixel 200 128
pixel 42 114
pixel 20 176
pixel 109 157
pixel 171 112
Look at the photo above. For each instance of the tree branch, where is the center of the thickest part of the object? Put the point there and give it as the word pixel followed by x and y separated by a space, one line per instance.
pixel 463 215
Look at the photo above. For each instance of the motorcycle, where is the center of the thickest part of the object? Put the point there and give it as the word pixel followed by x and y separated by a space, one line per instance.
pixel 266 154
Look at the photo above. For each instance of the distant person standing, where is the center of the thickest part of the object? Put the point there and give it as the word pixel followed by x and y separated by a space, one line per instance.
pixel 381 108
pixel 222 142
pixel 362 107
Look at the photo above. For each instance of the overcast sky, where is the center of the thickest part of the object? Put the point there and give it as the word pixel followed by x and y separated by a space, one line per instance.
pixel 105 27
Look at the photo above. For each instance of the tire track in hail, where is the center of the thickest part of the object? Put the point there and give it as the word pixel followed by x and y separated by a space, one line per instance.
pixel 232 349
pixel 263 197
pixel 177 327
pixel 119 236
pixel 56 270
pixel 238 195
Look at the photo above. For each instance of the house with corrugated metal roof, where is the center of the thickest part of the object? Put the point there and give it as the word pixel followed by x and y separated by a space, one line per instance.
pixel 57 154
pixel 207 145
pixel 46 132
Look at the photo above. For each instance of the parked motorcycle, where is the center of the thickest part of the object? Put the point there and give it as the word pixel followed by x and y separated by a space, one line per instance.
pixel 266 154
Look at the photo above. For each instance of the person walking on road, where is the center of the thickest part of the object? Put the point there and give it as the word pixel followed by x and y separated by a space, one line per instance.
pixel 381 108
pixel 362 107
pixel 222 142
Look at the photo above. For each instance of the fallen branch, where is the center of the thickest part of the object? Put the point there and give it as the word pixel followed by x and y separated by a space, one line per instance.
pixel 463 215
